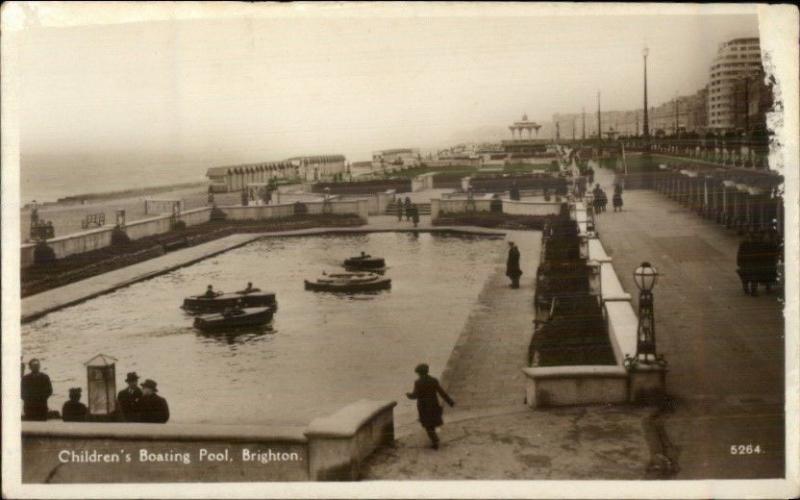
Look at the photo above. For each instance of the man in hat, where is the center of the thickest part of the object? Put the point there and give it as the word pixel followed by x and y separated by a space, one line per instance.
pixel 73 410
pixel 36 388
pixel 513 271
pixel 425 392
pixel 152 407
pixel 128 399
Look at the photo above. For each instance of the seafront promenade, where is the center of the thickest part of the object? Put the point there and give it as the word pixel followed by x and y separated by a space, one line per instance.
pixel 725 349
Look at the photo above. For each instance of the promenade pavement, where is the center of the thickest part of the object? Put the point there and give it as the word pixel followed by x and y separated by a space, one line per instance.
pixel 491 433
pixel 725 349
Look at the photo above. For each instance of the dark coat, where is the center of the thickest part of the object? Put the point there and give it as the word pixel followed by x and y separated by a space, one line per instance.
pixel 153 409
pixel 425 391
pixel 512 264
pixel 128 404
pixel 74 411
pixel 36 388
pixel 617 199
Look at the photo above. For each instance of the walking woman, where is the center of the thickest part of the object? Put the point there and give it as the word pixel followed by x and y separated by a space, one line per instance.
pixel 430 411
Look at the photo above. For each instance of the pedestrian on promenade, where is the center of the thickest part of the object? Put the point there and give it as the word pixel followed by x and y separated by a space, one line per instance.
pixel 766 260
pixel 73 410
pixel 128 399
pixel 590 174
pixel 513 271
pixel 603 200
pixel 617 197
pixel 153 409
pixel 36 388
pixel 407 206
pixel 425 392
pixel 415 214
pixel 399 205
pixel 514 192
pixel 747 260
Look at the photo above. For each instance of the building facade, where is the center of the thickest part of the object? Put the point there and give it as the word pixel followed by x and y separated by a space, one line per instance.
pixel 236 177
pixel 737 60
pixel 390 160
pixel 319 167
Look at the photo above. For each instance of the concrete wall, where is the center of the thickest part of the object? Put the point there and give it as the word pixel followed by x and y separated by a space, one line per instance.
pixel 449 206
pixel 572 385
pixel 530 207
pixel 99 238
pixel 330 448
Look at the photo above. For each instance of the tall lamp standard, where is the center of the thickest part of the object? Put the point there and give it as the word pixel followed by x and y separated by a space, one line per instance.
pixel 646 129
pixel 645 277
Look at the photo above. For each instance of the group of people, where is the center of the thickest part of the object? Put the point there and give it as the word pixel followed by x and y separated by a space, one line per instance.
pixel 600 199
pixel 134 403
pixel 409 209
pixel 757 261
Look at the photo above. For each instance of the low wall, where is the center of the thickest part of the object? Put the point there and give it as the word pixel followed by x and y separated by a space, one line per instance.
pixel 363 187
pixel 331 448
pixel 483 204
pixel 573 385
pixel 94 239
pixel 531 207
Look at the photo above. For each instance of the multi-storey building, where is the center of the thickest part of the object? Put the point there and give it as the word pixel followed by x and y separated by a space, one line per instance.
pixel 737 60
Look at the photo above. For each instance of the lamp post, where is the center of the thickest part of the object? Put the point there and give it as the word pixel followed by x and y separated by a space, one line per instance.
pixel 646 129
pixel 645 277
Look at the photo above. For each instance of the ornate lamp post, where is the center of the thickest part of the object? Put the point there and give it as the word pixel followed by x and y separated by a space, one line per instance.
pixel 645 277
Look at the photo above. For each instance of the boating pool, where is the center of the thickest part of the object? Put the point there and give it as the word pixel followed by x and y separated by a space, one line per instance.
pixel 322 351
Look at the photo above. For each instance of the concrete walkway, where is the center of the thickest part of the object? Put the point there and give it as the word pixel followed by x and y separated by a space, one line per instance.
pixel 725 349
pixel 519 443
pixel 40 304
pixel 491 433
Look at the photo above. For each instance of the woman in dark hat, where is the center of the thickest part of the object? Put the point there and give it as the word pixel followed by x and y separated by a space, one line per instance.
pixel 128 399
pixel 152 407
pixel 430 411
pixel 73 410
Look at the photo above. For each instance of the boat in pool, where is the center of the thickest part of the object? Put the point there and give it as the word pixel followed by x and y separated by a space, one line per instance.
pixel 237 318
pixel 349 283
pixel 222 301
pixel 365 262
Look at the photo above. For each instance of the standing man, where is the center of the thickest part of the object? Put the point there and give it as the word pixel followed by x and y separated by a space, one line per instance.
pixel 425 392
pixel 128 399
pixel 414 214
pixel 36 388
pixel 407 206
pixel 746 259
pixel 153 408
pixel 513 270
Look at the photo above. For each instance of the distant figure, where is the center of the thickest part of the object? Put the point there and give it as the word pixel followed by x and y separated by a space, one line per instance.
pixel 617 200
pixel 765 266
pixel 414 214
pixel 36 388
pixel 73 410
pixel 746 260
pixel 407 206
pixel 248 289
pixel 425 392
pixel 514 192
pixel 152 407
pixel 399 204
pixel 603 200
pixel 34 213
pixel 210 293
pixel 128 399
pixel 590 175
pixel 513 270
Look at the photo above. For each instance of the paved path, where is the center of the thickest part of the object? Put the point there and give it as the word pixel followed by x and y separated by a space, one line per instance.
pixel 519 443
pixel 485 367
pixel 725 349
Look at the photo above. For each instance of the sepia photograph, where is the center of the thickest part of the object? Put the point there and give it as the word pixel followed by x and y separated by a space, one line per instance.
pixel 399 250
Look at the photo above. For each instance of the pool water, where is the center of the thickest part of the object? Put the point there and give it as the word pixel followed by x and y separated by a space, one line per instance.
pixel 321 352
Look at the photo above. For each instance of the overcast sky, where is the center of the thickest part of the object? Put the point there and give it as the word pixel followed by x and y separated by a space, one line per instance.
pixel 266 89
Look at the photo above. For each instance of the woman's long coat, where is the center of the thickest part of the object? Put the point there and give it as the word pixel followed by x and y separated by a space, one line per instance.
pixel 425 392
